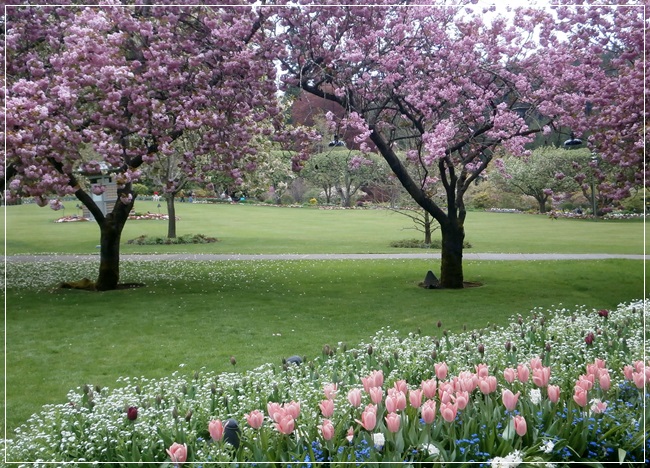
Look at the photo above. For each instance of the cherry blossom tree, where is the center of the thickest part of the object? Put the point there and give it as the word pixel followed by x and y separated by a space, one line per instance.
pixel 124 82
pixel 449 84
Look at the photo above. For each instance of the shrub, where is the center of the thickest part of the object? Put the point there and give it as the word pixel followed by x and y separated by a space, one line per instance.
pixel 184 239
pixel 554 387
pixel 419 244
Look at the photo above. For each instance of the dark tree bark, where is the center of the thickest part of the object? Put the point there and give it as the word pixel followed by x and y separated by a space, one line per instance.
pixel 171 212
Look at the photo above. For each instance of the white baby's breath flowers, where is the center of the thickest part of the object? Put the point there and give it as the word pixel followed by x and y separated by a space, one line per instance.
pixel 512 460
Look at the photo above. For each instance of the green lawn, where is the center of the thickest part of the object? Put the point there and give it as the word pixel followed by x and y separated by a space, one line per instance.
pixel 249 229
pixel 199 314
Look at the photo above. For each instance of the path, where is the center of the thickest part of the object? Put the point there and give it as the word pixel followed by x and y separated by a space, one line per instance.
pixel 235 257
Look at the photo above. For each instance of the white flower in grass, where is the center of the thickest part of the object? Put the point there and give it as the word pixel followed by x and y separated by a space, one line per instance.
pixel 512 460
pixel 379 440
pixel 535 396
pixel 547 447
pixel 430 449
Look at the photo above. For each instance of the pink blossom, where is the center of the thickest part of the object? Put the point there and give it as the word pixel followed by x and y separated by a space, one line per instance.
pixel 177 453
pixel 520 425
pixel 639 379
pixel 509 399
pixel 327 429
pixel 448 411
pixel 604 380
pixel 369 418
pixel 354 397
pixel 536 363
pixel 461 399
pixel 509 374
pixel 215 427
pixel 429 388
pixel 293 409
pixel 330 391
pixel 428 410
pixel 482 371
pixel 327 408
pixel 488 384
pixel 255 419
pixel 376 395
pixel 580 396
pixel 375 379
pixel 393 421
pixel 415 397
pixel 541 376
pixel 598 406
pixel 628 371
pixel 441 370
pixel 523 373
pixel 401 385
pixel 553 393
pixel 285 425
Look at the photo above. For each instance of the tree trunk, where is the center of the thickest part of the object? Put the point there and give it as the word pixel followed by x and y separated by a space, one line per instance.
pixel 171 212
pixel 451 268
pixel 427 228
pixel 111 227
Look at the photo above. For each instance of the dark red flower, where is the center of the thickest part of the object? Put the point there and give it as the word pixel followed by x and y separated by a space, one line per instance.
pixel 589 338
pixel 132 413
pixel 603 313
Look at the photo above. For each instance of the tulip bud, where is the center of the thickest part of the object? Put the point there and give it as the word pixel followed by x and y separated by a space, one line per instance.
pixel 188 415
pixel 175 412
pixel 439 324
pixel 481 349
pixel 233 361
pixel 508 346
pixel 370 350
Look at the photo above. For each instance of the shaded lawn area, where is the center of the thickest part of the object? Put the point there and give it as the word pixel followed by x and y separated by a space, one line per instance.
pixel 198 315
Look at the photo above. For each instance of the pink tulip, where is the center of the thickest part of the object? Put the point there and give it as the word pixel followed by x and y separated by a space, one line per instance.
pixel 580 396
pixel 627 371
pixel 441 370
pixel 488 384
pixel 509 399
pixel 541 376
pixel 369 418
pixel 391 404
pixel 399 397
pixel 638 365
pixel 415 398
pixel 466 382
pixel 535 363
pixel 639 379
pixel 401 386
pixel 448 411
pixel 429 388
pixel 520 425
pixel 375 379
pixel 482 370
pixel 354 397
pixel 523 373
pixel 255 419
pixel 600 363
pixel 215 428
pixel 327 429
pixel 586 381
pixel 461 399
pixel 330 391
pixel 350 434
pixel 393 422
pixel 293 409
pixel 598 407
pixel 376 395
pixel 553 393
pixel 275 411
pixel 509 374
pixel 177 453
pixel 286 425
pixel 604 380
pixel 327 408
pixel 428 410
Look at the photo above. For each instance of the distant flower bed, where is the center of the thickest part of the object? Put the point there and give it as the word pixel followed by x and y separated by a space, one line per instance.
pixel 419 244
pixel 148 215
pixel 71 219
pixel 185 239
pixel 552 387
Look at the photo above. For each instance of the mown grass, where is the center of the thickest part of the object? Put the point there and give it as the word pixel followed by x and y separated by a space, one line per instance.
pixel 199 314
pixel 248 229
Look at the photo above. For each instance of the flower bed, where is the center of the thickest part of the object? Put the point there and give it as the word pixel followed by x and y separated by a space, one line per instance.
pixel 554 387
